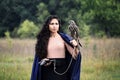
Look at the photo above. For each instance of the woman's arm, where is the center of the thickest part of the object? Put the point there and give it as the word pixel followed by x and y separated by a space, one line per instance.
pixel 73 51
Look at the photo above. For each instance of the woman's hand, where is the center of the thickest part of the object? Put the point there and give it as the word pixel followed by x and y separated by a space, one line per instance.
pixel 74 42
pixel 45 62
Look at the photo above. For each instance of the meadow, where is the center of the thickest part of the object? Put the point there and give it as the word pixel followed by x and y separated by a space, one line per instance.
pixel 100 59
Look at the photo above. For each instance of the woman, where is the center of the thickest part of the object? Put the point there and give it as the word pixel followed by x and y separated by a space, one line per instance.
pixel 56 56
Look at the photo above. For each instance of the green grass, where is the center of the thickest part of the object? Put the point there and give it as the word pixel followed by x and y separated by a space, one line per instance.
pixel 97 70
pixel 100 59
pixel 18 67
pixel 15 67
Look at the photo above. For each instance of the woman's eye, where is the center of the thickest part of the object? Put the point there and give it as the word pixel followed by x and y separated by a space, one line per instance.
pixel 54 23
pixel 51 23
pixel 57 23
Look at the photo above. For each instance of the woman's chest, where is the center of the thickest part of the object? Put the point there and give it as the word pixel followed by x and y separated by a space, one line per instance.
pixel 56 43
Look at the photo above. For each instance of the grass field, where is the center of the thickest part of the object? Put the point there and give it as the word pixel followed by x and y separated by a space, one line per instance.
pixel 100 59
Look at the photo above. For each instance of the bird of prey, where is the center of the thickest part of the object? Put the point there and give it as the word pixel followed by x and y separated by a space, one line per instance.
pixel 74 30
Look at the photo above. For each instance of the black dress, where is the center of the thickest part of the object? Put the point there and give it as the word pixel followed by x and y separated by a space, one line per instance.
pixel 48 73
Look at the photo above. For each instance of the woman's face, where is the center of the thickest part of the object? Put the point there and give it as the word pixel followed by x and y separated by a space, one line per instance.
pixel 54 26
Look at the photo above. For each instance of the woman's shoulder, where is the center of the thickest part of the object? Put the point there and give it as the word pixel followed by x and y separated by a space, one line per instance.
pixel 66 36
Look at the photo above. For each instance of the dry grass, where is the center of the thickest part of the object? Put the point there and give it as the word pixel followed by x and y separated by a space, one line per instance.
pixel 101 48
pixel 17 46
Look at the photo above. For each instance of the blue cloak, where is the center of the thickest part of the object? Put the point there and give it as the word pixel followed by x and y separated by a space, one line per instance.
pixel 74 70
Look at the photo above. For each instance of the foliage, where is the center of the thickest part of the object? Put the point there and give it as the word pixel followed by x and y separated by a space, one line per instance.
pixel 101 16
pixel 8 38
pixel 27 29
pixel 42 13
pixel 14 12
pixel 107 17
pixel 86 31
pixel 7 34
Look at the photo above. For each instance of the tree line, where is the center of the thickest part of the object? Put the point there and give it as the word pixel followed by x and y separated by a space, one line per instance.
pixel 24 18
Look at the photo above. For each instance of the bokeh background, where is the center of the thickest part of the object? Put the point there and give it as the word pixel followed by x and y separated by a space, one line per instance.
pixel 97 20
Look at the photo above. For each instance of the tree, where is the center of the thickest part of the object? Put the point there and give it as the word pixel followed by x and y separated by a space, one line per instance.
pixel 100 16
pixel 27 30
pixel 14 12
pixel 42 13
pixel 106 17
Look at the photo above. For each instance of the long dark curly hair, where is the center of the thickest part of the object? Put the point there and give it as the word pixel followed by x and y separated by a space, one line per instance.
pixel 43 37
